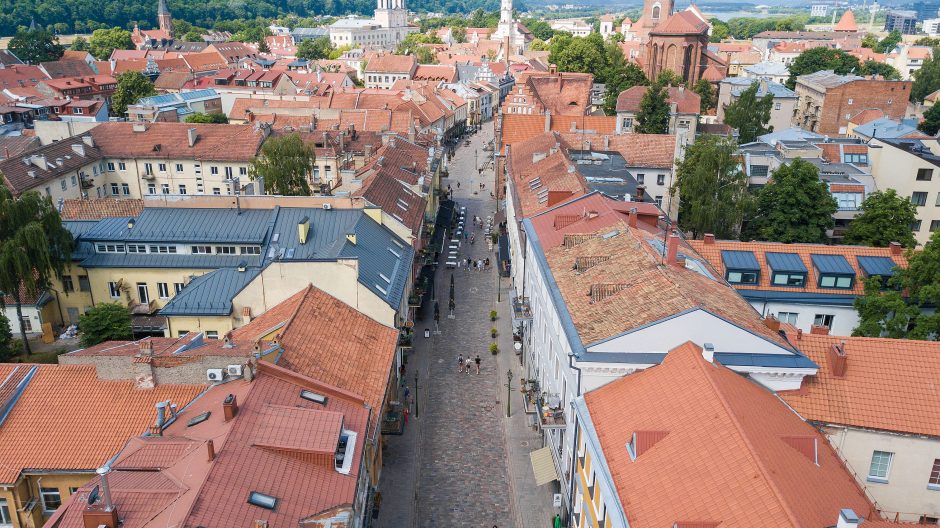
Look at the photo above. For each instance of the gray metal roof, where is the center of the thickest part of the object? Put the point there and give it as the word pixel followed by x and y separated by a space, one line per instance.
pixel 78 228
pixel 384 260
pixel 137 260
pixel 210 294
pixel 883 266
pixel 837 264
pixel 739 260
pixel 742 83
pixel 886 128
pixel 168 224
pixel 785 262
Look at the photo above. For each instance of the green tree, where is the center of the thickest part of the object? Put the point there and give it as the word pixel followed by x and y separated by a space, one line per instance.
pixel 34 247
pixel 285 164
pixel 712 188
pixel 720 30
pixel 669 78
pixel 887 44
pixel 425 55
pixel 105 322
pixel 199 117
pixel 885 217
pixel 887 71
pixel 870 41
pixel 653 117
pixel 314 49
pixel 33 47
pixel 927 41
pixel 131 87
pixel 578 54
pixel 79 44
pixel 459 34
pixel 414 40
pixel 819 59
pixel 750 114
pixel 927 78
pixel 905 308
pixel 627 76
pixel 263 47
pixel 705 90
pixel 540 28
pixel 6 338
pixel 194 35
pixel 539 45
pixel 105 41
pixel 931 123
pixel 794 206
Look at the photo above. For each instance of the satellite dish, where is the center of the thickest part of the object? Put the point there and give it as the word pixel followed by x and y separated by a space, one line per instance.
pixel 93 496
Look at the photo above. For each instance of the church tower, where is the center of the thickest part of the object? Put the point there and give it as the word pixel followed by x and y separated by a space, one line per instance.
pixel 656 12
pixel 391 13
pixel 505 27
pixel 163 18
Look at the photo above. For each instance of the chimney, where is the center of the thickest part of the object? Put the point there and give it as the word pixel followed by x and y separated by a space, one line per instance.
pixel 819 330
pixel 633 217
pixel 895 248
pixel 762 89
pixel 229 407
pixel 89 140
pixel 772 322
pixel 838 361
pixel 102 513
pixel 606 142
pixel 161 417
pixel 640 193
pixel 799 334
pixel 672 248
pixel 139 126
pixel 145 347
pixel 848 519
pixel 79 148
pixel 552 69
pixel 709 238
pixel 246 314
pixel 303 229
pixel 367 151
pixel 191 136
pixel 210 448
pixel 708 352
pixel 548 121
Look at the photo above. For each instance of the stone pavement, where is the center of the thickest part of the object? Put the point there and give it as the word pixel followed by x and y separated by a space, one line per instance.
pixel 461 462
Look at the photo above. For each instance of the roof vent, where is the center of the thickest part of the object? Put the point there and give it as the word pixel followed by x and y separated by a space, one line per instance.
pixel 599 292
pixel 708 352
pixel 139 127
pixel 191 136
pixel 351 237
pixel 848 519
pixel 642 441
pixel 806 445
pixel 31 173
pixel 303 229
pixel 838 361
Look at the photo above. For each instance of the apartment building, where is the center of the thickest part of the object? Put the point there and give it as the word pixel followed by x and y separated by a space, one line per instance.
pixel 175 107
pixel 60 171
pixel 384 69
pixel 908 166
pixel 827 101
pixel 685 106
pixel 558 93
pixel 781 111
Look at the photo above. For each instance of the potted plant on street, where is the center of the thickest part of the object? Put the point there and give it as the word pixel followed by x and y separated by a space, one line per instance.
pixel 494 348
pixel 493 332
pixel 493 315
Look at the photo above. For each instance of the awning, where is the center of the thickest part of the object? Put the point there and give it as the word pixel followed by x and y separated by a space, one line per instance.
pixel 543 466
pixel 148 323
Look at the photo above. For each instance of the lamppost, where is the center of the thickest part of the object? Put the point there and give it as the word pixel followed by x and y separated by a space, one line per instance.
pixel 508 390
pixel 416 392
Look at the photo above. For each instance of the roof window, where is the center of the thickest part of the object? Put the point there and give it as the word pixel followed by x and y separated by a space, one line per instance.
pixel 313 396
pixel 261 500
pixel 787 269
pixel 196 420
pixel 834 271
pixel 741 267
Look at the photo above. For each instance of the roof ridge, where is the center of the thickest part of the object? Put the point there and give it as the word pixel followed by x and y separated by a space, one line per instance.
pixel 751 450
pixel 296 310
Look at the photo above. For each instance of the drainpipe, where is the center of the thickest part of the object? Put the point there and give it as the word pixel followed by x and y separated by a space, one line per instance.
pixel 577 430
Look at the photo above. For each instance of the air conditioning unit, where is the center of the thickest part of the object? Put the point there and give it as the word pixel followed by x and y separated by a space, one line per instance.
pixel 327 207
pixel 234 370
pixel 215 375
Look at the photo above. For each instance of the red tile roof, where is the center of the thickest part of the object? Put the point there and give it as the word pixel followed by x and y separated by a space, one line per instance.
pixel 436 72
pixel 170 140
pixel 681 23
pixel 712 252
pixel 727 456
pixel 867 116
pixel 638 150
pixel 381 188
pixel 688 102
pixel 85 427
pixel 847 22
pixel 887 384
pixel 97 208
pixel 578 217
pixel 392 63
pixel 67 68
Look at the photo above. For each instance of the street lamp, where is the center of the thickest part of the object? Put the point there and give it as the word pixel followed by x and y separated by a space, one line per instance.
pixel 235 182
pixel 508 390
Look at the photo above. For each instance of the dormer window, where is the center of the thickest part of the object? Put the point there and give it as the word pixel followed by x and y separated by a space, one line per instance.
pixel 741 267
pixel 787 269
pixel 345 449
pixel 834 271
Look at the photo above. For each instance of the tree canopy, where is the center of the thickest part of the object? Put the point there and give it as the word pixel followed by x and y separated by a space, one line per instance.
pixel 885 217
pixel 819 59
pixel 104 41
pixel 34 246
pixel 931 123
pixel 750 114
pixel 285 164
pixel 712 188
pixel 105 322
pixel 927 78
pixel 887 71
pixel 6 339
pixel 705 90
pixel 653 117
pixel 315 49
pixel 904 306
pixel 794 206
pixel 33 47
pixel 207 118
pixel 413 41
pixel 131 87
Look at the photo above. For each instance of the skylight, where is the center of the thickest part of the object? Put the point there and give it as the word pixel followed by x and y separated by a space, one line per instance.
pixel 261 500
pixel 313 396
pixel 196 420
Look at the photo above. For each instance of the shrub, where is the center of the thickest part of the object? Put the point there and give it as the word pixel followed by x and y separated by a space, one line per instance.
pixel 494 348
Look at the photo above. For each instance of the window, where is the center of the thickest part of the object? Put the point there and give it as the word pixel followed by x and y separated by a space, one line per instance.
pixel 243 171
pixel 262 501
pixel 182 189
pixel 151 188
pixel 122 166
pixel 250 250
pixel 165 187
pixel 857 159
pixel 225 250
pixel 742 277
pixel 823 320
pixel 212 334
pixel 26 324
pixel 83 284
pixel 216 190
pixel 836 281
pixel 74 180
pixel 177 287
pixel 162 167
pixel 214 171
pixel 924 174
pixel 201 250
pixel 142 293
pixel 114 189
pixel 136 248
pixel 789 279
pixel 850 101
pixel 5 518
pixel 788 317
pixel 919 198
pixel 67 283
pixel 313 396
pixel 51 499
pixel 163 290
pixel 777 106
pixel 179 167
pixel 660 179
pixel 934 481
pixel 658 200
pixel 915 225
pixel 880 466
pixel 228 172
pixel 110 166
pixel 934 225
pixel 759 171
pixel 148 168
pixel 125 189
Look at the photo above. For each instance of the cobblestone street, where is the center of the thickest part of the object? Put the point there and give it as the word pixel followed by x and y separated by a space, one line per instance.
pixel 453 466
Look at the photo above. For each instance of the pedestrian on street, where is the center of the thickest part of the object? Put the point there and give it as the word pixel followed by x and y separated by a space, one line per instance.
pixel 458 185
pixel 468 364
pixel 475 360
pixel 460 363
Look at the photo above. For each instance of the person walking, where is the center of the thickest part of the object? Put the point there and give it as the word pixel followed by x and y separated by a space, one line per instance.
pixel 469 363
pixel 460 363
pixel 477 361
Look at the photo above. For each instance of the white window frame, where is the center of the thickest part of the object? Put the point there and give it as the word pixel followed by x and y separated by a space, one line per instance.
pixel 6 518
pixel 163 290
pixel 43 492
pixel 873 477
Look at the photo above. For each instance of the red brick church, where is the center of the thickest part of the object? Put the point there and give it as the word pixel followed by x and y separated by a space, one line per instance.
pixel 677 42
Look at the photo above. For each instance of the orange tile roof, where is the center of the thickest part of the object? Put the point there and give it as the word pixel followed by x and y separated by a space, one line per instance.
pixel 170 140
pixel 436 72
pixel 589 214
pixel 681 23
pixel 712 252
pixel 597 124
pixel 847 22
pixel 90 421
pixel 274 318
pixel 687 101
pixel 330 341
pixel 888 384
pixel 97 208
pixel 392 63
pixel 521 127
pixel 638 150
pixel 867 116
pixel 728 452
pixel 384 190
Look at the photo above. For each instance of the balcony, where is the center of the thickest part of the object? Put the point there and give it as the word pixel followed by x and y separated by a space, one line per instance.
pixel 520 308
pixel 551 413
